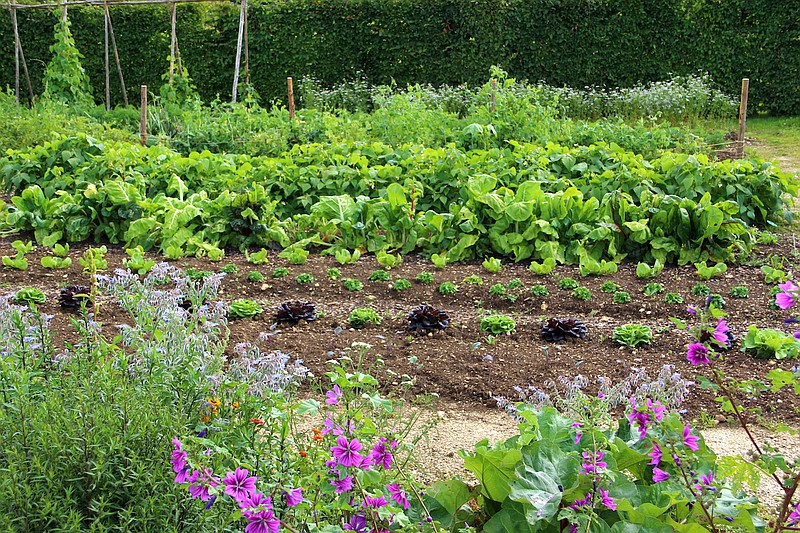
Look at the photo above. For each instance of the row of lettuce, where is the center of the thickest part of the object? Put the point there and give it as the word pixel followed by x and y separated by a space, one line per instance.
pixel 577 205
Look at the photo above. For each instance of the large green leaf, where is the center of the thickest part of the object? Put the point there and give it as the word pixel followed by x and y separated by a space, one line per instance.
pixel 121 193
pixel 494 468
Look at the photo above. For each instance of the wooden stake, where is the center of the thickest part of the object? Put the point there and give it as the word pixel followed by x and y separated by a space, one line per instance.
pixel 64 14
pixel 18 45
pixel 108 71
pixel 246 47
pixel 743 114
pixel 172 41
pixel 493 98
pixel 143 118
pixel 291 98
pixel 116 55
pixel 16 58
pixel 238 51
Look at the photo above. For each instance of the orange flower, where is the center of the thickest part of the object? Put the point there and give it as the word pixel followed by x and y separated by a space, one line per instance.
pixel 303 454
pixel 317 434
pixel 257 421
pixel 235 405
pixel 205 418
pixel 214 402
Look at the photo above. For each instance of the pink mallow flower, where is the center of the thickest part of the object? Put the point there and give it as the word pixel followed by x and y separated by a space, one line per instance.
pixel 607 500
pixel 655 454
pixel 294 497
pixel 659 475
pixel 698 354
pixel 239 484
pixel 346 452
pixel 786 299
pixel 720 332
pixel 398 495
pixel 690 440
pixel 262 522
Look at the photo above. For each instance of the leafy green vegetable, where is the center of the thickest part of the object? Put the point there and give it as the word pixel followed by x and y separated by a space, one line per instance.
pixel 30 295
pixel 497 324
pixel 244 308
pixel 492 264
pixel 766 343
pixel 362 316
pixel 632 335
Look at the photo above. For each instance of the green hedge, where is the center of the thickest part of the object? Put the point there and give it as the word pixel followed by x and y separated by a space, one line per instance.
pixel 562 42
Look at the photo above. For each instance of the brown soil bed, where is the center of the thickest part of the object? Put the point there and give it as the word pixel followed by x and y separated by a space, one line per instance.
pixel 460 364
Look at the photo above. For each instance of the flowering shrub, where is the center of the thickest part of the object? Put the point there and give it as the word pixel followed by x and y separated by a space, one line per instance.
pixel 284 462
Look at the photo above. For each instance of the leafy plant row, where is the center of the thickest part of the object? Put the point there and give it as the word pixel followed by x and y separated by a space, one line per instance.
pixel 580 205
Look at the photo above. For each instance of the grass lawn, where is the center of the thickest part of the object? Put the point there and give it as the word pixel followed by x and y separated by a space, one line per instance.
pixel 776 138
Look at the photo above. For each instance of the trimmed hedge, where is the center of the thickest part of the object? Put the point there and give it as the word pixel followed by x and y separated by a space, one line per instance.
pixel 561 42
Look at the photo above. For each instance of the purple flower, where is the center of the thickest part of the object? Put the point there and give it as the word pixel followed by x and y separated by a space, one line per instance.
pixel 706 482
pixel 608 501
pixel 578 433
pixel 377 501
pixel 239 484
pixel 655 454
pixel 199 489
pixel 183 475
pixel 178 458
pixel 796 335
pixel 256 500
pixel 332 396
pixel 593 461
pixel 698 354
pixel 659 475
pixel 641 414
pixel 342 485
pixel 690 440
pixel 720 332
pixel 786 299
pixel 584 502
pixel 294 497
pixel 357 523
pixel 262 522
pixel 381 455
pixel 794 517
pixel 346 453
pixel 692 310
pixel 398 495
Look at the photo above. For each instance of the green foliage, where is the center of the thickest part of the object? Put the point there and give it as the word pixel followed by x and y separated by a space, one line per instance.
pixel 137 262
pixel 589 266
pixel 56 262
pixel 64 78
pixel 567 284
pixel 94 259
pixel 255 276
pixel 705 272
pixel 492 264
pixel 197 275
pixel 345 257
pixel 539 291
pixel 257 258
pixel 609 287
pixel 229 269
pixel 632 335
pixel 544 268
pixel 766 343
pixel 362 316
pixel 19 261
pixel 514 283
pixel 387 260
pixel 446 288
pixel 621 297
pixel 439 261
pixel 766 237
pixel 701 289
pixel 424 278
pixel 30 295
pixel 280 272
pixel 334 273
pixel 352 284
pixel 304 278
pixel 653 288
pixel 773 275
pixel 498 324
pixel 498 289
pixel 645 271
pixel 401 284
pixel 716 300
pixel 295 256
pixel 379 275
pixel 673 298
pixel 244 308
pixel 739 291
pixel 472 279
pixel 582 293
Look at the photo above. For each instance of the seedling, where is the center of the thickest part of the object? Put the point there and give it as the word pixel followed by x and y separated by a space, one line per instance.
pixel 582 293
pixel 447 288
pixel 137 262
pixel 514 283
pixel 295 256
pixel 352 285
pixel 645 271
pixel 424 278
pixel 439 261
pixel 567 284
pixel 244 308
pixel 498 324
pixel 652 288
pixel 473 280
pixel 739 291
pixel 706 272
pixel 539 291
pixel 280 272
pixel 258 258
pixel 492 264
pixel 19 262
pixel 30 295
pixel 362 316
pixel 498 289
pixel 229 269
pixel 673 298
pixel 609 287
pixel 701 289
pixel 345 257
pixel 255 276
pixel 334 273
pixel 94 259
pixel 304 278
pixel 632 335
pixel 379 275
pixel 621 297
pixel 387 260
pixel 544 268
pixel 401 285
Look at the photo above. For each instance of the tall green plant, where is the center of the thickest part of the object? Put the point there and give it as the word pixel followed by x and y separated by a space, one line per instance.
pixel 65 79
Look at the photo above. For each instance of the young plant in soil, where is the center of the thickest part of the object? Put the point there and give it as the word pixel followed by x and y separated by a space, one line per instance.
pixel 701 289
pixel 632 335
pixel 293 312
pixel 498 324
pixel 255 276
pixel 426 318
pixel 280 272
pixel 492 264
pixel 229 269
pixel 582 293
pixel 609 287
pixel 472 279
pixel 72 298
pixel 621 297
pixel 673 298
pixel 447 288
pixel 30 295
pixel 544 268
pixel 739 291
pixel 401 285
pixel 539 291
pixel 362 316
pixel 257 258
pixel 244 308
pixel 559 329
pixel 379 275
pixel 59 260
pixel 424 278
pixel 567 284
pixel 19 261
pixel 304 279
pixel 653 288
pixel 352 284
pixel 334 273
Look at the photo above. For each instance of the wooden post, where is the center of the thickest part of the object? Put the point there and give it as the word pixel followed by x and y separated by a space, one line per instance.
pixel 64 14
pixel 291 98
pixel 238 51
pixel 172 43
pixel 108 71
pixel 18 45
pixel 246 47
pixel 743 114
pixel 16 56
pixel 116 55
pixel 493 97
pixel 143 119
